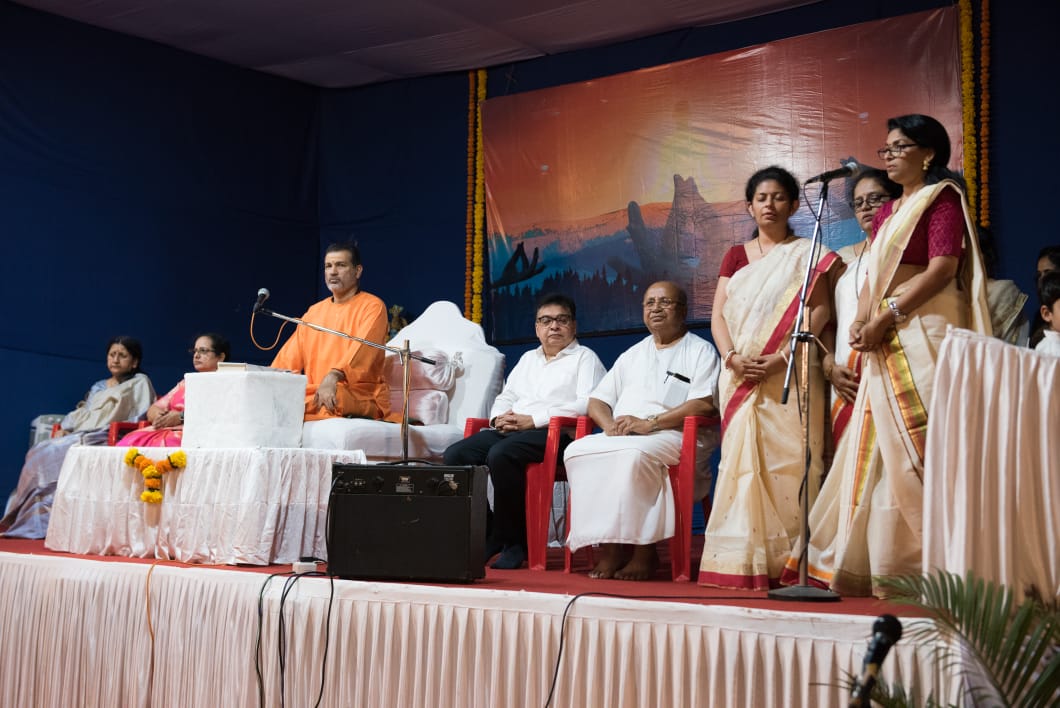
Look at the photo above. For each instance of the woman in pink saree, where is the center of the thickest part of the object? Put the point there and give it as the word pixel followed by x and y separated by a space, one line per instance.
pixel 756 516
pixel 925 274
pixel 167 414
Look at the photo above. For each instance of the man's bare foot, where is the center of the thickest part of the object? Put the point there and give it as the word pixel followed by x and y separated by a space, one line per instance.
pixel 611 559
pixel 641 566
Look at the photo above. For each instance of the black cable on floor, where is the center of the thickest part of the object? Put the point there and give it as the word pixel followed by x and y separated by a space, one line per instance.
pixel 570 604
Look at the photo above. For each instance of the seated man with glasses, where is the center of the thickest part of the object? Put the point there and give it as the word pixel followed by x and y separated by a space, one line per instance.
pixel 620 486
pixel 553 379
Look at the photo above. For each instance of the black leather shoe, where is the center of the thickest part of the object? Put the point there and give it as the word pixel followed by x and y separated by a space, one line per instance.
pixel 511 557
pixel 492 549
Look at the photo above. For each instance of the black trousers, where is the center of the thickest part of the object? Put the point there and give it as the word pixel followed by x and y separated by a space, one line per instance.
pixel 506 455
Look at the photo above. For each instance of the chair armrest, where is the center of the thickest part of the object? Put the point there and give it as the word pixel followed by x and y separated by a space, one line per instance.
pixel 473 425
pixel 687 465
pixel 557 424
pixel 119 427
pixel 688 434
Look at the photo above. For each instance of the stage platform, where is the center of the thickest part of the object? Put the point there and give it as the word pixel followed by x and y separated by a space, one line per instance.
pixel 109 631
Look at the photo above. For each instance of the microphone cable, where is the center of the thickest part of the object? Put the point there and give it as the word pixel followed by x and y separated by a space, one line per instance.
pixel 275 342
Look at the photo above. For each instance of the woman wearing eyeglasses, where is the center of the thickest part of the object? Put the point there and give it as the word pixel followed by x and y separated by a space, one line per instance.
pixel 925 273
pixel 756 499
pixel 167 414
pixel 870 189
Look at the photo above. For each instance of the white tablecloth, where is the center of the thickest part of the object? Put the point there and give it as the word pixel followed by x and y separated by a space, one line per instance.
pixel 228 505
pixel 992 468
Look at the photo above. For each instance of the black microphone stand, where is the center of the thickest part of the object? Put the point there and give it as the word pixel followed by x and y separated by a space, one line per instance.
pixel 404 353
pixel 804 592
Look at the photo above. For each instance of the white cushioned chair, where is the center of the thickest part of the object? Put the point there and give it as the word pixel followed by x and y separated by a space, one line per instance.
pixel 467 377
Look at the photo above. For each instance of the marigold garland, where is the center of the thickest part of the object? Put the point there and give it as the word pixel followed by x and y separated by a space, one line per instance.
pixel 477 272
pixel 984 113
pixel 474 246
pixel 968 104
pixel 469 226
pixel 152 471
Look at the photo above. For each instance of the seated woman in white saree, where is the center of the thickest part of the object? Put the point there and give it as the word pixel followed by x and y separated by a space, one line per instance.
pixel 925 274
pixel 125 395
pixel 755 519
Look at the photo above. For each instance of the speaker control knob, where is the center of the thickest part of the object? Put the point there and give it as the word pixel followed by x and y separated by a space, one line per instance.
pixel 377 483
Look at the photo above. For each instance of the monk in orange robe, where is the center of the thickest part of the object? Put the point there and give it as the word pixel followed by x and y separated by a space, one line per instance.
pixel 345 377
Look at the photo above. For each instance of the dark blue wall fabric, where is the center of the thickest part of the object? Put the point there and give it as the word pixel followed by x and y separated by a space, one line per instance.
pixel 151 192
pixel 143 191
pixel 393 178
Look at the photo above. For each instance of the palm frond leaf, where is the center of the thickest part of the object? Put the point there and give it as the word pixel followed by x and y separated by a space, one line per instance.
pixel 1006 654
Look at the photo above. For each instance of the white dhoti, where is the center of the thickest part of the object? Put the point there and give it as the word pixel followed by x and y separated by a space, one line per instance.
pixel 620 488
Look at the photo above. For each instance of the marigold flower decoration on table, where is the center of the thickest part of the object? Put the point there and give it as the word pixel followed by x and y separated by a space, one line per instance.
pixel 152 470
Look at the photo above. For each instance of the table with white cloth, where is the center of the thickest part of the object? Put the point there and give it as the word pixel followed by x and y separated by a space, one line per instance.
pixel 253 506
pixel 992 467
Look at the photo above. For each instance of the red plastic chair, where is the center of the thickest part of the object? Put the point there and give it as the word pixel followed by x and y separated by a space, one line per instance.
pixel 117 430
pixel 682 480
pixel 540 479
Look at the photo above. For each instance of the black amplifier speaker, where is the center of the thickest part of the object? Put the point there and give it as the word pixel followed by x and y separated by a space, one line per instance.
pixel 407 522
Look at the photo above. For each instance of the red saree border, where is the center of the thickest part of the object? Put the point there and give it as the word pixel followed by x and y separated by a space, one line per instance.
pixel 842 411
pixel 736 581
pixel 780 333
pixel 815 577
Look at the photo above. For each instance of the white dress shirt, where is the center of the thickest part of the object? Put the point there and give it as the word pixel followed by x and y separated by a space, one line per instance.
pixel 543 388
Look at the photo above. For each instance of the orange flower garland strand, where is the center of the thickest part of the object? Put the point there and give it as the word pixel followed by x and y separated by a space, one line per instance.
pixel 469 224
pixel 152 471
pixel 968 104
pixel 984 113
pixel 477 272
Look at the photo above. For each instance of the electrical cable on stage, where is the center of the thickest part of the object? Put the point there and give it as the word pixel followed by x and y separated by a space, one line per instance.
pixel 289 584
pixel 570 604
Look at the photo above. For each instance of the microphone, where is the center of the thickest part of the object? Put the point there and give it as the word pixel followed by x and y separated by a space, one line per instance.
pixel 849 167
pixel 263 295
pixel 886 631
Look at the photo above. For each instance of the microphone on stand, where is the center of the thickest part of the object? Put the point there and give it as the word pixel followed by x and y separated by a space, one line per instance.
pixel 886 631
pixel 849 167
pixel 263 295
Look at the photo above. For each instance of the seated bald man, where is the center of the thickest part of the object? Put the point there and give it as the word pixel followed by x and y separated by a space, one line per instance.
pixel 619 479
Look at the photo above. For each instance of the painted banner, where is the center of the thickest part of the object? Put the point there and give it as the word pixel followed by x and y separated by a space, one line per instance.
pixel 597 189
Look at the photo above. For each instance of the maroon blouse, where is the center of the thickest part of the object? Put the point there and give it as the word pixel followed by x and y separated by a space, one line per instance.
pixel 735 259
pixel 940 231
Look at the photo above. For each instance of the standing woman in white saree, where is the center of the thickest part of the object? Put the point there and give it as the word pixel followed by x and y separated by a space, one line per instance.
pixel 755 517
pixel 925 274
pixel 870 189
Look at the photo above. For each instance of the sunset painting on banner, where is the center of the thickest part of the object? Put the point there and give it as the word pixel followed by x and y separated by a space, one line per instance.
pixel 596 189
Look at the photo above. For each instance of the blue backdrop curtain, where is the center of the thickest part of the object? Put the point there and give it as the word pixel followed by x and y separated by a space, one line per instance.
pixel 151 192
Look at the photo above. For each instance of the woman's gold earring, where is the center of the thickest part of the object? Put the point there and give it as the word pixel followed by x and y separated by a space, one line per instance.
pixel 927 164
